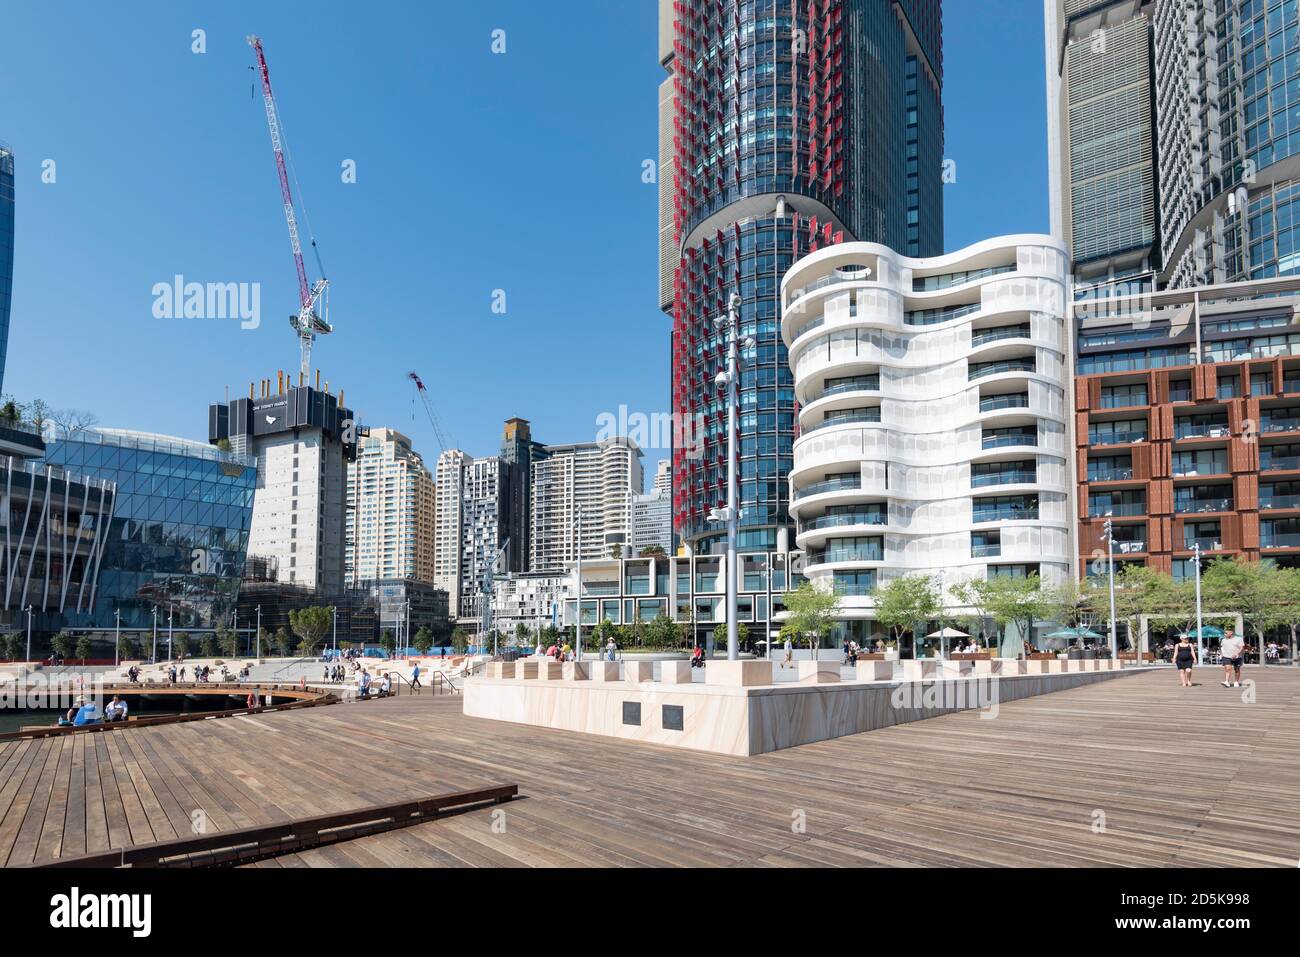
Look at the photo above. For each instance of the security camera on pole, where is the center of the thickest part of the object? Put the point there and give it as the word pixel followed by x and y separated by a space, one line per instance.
pixel 730 513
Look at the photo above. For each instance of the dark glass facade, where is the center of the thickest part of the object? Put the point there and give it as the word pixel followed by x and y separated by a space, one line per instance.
pixel 790 126
pixel 179 531
pixel 6 252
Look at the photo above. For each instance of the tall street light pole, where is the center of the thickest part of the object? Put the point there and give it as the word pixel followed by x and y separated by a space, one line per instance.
pixel 336 631
pixel 258 637
pixel 730 513
pixel 577 630
pixel 28 609
pixel 117 637
pixel 153 655
pixel 1110 562
pixel 171 655
pixel 1200 628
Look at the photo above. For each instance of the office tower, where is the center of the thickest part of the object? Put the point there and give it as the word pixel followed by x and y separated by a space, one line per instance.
pixel 933 416
pixel 518 450
pixel 1173 137
pixel 1188 403
pixel 303 439
pixel 469 528
pixel 1101 138
pixel 6 252
pixel 785 126
pixel 179 531
pixel 390 511
pixel 596 479
pixel 652 517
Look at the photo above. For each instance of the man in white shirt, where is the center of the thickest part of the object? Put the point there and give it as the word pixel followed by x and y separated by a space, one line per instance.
pixel 1230 652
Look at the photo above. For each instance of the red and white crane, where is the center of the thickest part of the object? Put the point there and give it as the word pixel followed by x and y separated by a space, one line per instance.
pixel 423 393
pixel 313 314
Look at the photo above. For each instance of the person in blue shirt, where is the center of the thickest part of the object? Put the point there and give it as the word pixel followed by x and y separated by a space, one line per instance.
pixel 415 677
pixel 83 714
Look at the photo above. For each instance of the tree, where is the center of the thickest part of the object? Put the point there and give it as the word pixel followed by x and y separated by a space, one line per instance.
pixel 62 644
pixel 652 551
pixel 263 640
pixel 283 642
pixel 811 613
pixel 227 640
pixel 636 633
pixel 36 413
pixel 125 648
pixel 662 633
pixel 460 638
pixel 1016 601
pixel 742 634
pixel 311 624
pixel 388 641
pixel 423 640
pixel 973 593
pixel 74 420
pixel 903 603
pixel 12 645
pixel 84 646
pixel 181 644
pixel 1140 590
pixel 9 414
pixel 1255 590
pixel 208 646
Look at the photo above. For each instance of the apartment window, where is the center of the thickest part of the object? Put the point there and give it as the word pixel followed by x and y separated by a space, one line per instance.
pixel 1012 571
pixel 1119 503
pixel 1110 468
pixel 1123 396
pixel 855 583
pixel 1117 432
pixel 1180 390
pixel 1201 462
pixel 1206 534
pixel 1261 383
pixel 1229 386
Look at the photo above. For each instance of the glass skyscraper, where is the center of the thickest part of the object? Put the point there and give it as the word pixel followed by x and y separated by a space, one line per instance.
pixel 6 252
pixel 179 532
pixel 785 126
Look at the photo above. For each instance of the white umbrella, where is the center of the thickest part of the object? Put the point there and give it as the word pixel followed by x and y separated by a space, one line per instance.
pixel 945 634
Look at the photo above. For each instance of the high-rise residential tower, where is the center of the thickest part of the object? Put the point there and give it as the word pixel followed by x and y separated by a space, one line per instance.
pixel 518 452
pixel 652 515
pixel 390 511
pixel 598 479
pixel 469 529
pixel 6 251
pixel 785 126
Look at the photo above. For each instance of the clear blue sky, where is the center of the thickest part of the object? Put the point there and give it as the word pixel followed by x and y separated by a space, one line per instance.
pixel 475 172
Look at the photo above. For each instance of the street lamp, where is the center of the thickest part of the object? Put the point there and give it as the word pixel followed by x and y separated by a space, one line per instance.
pixel 153 655
pixel 335 609
pixel 258 636
pixel 28 609
pixel 731 511
pixel 577 625
pixel 1200 629
pixel 117 637
pixel 171 655
pixel 1110 561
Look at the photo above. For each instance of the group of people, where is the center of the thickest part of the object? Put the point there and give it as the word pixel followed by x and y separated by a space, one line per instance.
pixel 559 652
pixel 201 673
pixel 366 685
pixel 85 712
pixel 337 674
pixel 1232 651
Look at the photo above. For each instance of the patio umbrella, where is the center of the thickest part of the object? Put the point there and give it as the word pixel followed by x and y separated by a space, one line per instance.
pixel 1076 632
pixel 944 634
pixel 1207 631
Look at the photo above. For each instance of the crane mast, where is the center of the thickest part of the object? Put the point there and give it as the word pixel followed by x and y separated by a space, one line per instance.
pixel 428 410
pixel 312 318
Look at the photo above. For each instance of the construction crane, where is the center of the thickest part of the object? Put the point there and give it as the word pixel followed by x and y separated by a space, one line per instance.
pixel 312 319
pixel 423 393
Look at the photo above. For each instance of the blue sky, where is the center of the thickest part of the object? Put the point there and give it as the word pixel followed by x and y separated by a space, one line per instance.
pixel 475 172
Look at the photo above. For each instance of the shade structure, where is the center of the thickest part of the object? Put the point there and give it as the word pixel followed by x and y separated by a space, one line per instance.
pixel 1206 631
pixel 1076 632
pixel 947 633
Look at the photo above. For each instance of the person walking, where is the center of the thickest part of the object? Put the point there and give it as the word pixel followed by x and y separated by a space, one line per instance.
pixel 415 678
pixel 1185 660
pixel 611 649
pixel 1230 654
pixel 789 654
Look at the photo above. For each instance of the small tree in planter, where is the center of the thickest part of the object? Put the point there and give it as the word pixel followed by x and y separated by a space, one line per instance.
pixel 62 645
pixel 84 646
pixel 125 648
pixel 12 643
pixel 227 640
pixel 811 614
pixel 903 603
pixel 311 625
pixel 388 642
pixel 283 643
pixel 208 646
pixel 181 644
pixel 423 640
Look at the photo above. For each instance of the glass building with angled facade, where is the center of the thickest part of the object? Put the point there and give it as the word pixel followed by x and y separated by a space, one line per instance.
pixel 179 530
pixel 785 126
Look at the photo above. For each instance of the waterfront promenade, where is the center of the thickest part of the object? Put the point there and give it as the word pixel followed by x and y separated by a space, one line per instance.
pixel 1131 772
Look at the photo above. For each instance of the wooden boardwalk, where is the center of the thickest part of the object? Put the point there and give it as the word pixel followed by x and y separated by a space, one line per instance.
pixel 1131 772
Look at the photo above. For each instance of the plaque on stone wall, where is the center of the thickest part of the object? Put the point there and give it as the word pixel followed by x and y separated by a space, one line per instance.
pixel 673 717
pixel 632 712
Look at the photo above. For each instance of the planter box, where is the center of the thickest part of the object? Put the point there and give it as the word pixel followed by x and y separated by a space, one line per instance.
pixel 603 670
pixel 874 670
pixel 635 672
pixel 576 670
pixel 918 669
pixel 527 668
pixel 745 673
pixel 550 670
pixel 675 672
pixel 956 668
pixel 819 672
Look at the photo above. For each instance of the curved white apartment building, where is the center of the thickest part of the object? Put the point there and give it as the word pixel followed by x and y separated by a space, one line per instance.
pixel 932 415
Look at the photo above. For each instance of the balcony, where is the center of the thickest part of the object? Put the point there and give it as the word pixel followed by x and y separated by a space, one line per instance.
pixel 1132 546
pixel 1005 514
pixel 1116 438
pixel 1200 505
pixel 1119 474
pixel 856 417
pixel 1279 463
pixel 1014 438
pixel 1009 477
pixel 809 327
pixel 1182 394
pixel 840 519
pixel 1291 385
pixel 860 274
pixel 847 553
pixel 986 551
pixel 865 383
pixel 829 485
pixel 931 317
pixel 984 336
pixel 985 369
pixel 1116 509
pixel 1280 424
pixel 1015 400
pixel 1201 430
pixel 1279 539
pixel 1205 544
pixel 1279 501
pixel 1123 401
